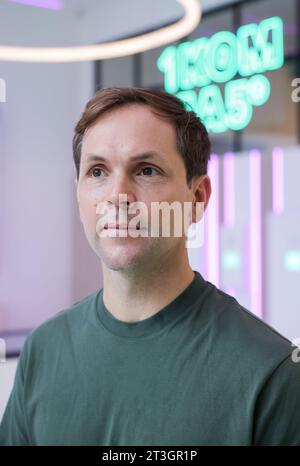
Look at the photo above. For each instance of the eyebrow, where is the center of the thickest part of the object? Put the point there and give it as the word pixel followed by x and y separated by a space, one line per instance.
pixel 143 156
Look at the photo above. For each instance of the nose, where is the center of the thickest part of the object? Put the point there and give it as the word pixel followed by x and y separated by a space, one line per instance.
pixel 121 191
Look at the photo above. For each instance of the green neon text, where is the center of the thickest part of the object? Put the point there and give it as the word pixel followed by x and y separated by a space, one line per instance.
pixel 253 50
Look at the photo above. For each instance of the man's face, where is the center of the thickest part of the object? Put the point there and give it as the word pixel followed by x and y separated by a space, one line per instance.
pixel 118 136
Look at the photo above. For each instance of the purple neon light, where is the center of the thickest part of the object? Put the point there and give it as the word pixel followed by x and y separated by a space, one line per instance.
pixel 255 243
pixel 277 180
pixel 229 189
pixel 212 226
pixel 48 4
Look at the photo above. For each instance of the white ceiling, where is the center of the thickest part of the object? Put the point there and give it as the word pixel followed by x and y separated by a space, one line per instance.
pixel 87 21
pixel 111 19
pixel 164 4
pixel 210 4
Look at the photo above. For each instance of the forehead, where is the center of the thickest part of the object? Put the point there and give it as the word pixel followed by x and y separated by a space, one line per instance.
pixel 130 128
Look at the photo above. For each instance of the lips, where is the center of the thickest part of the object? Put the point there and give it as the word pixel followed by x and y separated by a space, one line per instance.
pixel 122 226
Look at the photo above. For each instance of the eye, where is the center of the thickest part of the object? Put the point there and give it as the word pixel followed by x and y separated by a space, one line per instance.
pixel 149 168
pixel 92 171
pixel 95 172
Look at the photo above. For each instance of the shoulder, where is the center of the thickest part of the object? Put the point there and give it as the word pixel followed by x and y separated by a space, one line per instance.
pixel 240 331
pixel 61 326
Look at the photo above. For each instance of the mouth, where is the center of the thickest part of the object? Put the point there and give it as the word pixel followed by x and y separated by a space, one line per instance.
pixel 118 226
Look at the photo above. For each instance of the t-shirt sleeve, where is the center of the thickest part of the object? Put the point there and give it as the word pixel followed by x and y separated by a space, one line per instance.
pixel 277 412
pixel 13 427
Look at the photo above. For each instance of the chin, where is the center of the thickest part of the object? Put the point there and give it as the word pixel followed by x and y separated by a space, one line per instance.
pixel 118 266
pixel 118 260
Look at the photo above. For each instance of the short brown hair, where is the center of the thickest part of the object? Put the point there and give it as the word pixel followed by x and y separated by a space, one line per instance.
pixel 192 139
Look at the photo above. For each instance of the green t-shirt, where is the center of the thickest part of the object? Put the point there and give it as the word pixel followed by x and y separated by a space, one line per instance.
pixel 201 371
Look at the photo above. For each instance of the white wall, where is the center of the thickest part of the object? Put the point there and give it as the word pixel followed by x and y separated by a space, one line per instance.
pixel 7 371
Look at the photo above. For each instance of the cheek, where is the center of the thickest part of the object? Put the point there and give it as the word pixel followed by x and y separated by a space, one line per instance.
pixel 87 208
pixel 88 214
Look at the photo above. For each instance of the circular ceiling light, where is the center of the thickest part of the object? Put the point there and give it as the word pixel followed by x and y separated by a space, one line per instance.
pixel 119 48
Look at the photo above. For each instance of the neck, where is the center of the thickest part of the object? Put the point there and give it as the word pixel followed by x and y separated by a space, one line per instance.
pixel 142 293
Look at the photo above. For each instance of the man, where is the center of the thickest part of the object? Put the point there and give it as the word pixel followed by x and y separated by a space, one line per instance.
pixel 159 356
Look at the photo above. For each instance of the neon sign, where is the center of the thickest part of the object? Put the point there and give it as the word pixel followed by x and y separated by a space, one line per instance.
pixel 205 63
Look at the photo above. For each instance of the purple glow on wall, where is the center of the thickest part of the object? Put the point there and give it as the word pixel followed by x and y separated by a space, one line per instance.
pixel 277 181
pixel 48 4
pixel 229 189
pixel 230 291
pixel 255 242
pixel 212 226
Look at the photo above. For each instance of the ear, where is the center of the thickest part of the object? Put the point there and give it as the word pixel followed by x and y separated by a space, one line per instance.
pixel 202 193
